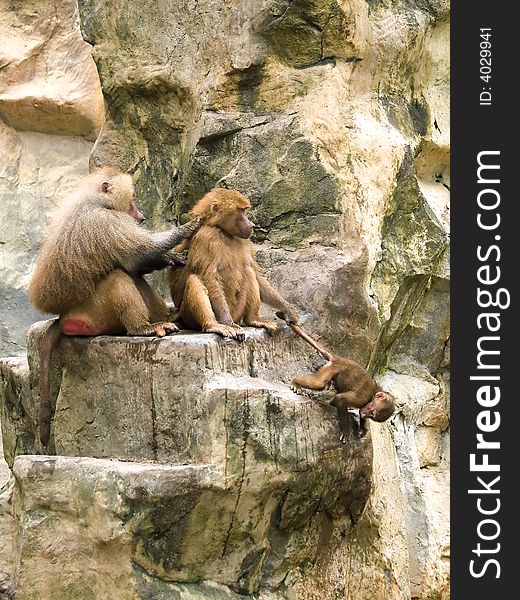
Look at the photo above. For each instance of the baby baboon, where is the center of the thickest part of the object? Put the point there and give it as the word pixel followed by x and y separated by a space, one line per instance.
pixel 221 286
pixel 354 386
pixel 89 270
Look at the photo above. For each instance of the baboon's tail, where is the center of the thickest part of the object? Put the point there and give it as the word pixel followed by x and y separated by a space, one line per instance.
pixel 304 335
pixel 48 345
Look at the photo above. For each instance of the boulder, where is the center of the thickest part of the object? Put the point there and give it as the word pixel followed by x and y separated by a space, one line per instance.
pixel 184 459
pixel 51 110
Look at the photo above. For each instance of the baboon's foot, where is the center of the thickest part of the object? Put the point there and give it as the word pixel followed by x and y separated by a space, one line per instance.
pixel 159 329
pixel 270 326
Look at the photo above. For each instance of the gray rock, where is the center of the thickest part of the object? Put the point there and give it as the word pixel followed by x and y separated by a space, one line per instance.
pixel 194 438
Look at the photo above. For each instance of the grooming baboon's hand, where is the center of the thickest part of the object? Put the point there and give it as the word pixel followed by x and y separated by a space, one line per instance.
pixel 188 229
pixel 296 388
pixel 177 259
pixel 191 226
pixel 176 235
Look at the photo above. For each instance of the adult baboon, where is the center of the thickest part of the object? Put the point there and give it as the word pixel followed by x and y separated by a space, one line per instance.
pixel 221 287
pixel 89 270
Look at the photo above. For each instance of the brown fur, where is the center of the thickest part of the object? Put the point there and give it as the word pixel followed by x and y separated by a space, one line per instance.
pixel 221 287
pixel 354 387
pixel 89 270
pixel 49 342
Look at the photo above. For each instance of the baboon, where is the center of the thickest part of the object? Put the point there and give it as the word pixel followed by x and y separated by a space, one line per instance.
pixel 221 286
pixel 89 270
pixel 354 386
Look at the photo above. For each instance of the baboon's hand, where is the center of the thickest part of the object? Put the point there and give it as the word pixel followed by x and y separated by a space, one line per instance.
pixel 177 259
pixel 289 315
pixel 188 229
pixel 177 234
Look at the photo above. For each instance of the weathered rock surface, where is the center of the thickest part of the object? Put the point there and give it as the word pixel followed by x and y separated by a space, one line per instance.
pixel 233 478
pixel 48 82
pixel 51 110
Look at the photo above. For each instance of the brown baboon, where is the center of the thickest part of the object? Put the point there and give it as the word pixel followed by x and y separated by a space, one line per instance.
pixel 89 270
pixel 354 386
pixel 221 287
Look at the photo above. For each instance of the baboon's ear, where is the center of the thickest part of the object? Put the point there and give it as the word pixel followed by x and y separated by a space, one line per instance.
pixel 106 186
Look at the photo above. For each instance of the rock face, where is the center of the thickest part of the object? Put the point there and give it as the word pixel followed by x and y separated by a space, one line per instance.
pixel 51 110
pixel 205 467
pixel 333 117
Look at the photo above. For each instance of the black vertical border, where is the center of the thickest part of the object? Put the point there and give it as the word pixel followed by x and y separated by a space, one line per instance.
pixel 474 129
